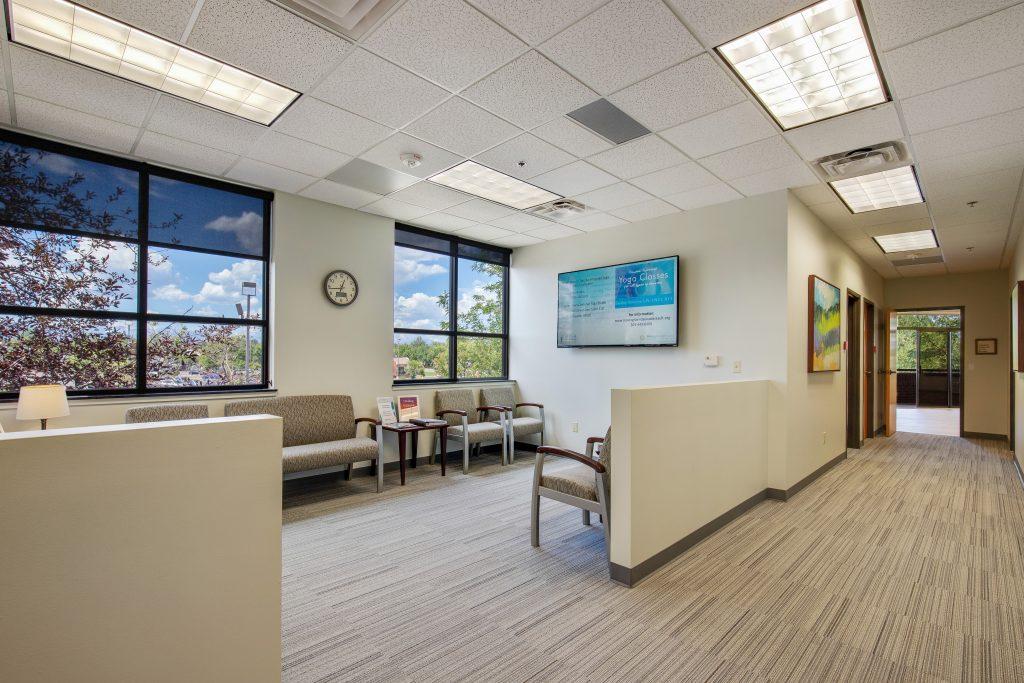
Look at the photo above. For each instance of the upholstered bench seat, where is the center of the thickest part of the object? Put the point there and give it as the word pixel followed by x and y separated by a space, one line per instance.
pixel 328 454
pixel 577 480
pixel 478 431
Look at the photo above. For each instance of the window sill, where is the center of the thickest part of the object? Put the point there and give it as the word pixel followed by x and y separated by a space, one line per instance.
pixel 449 385
pixel 131 399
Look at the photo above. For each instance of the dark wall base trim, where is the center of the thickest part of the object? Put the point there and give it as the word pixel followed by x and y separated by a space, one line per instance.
pixel 1020 472
pixel 630 576
pixel 985 435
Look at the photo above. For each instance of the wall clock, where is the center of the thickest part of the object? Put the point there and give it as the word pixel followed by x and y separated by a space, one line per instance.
pixel 341 287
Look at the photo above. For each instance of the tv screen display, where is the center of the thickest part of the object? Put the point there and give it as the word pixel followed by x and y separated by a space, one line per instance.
pixel 631 304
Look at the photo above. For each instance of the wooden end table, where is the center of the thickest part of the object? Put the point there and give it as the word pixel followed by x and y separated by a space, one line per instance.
pixel 403 431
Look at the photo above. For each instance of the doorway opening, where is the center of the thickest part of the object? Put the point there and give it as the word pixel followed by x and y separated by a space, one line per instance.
pixel 854 438
pixel 929 377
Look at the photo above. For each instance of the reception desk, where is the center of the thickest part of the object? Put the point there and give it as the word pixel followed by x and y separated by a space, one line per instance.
pixel 146 552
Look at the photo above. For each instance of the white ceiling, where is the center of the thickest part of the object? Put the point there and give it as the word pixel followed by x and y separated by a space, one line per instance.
pixel 492 80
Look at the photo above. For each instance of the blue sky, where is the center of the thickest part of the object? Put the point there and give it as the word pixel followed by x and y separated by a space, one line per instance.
pixel 420 276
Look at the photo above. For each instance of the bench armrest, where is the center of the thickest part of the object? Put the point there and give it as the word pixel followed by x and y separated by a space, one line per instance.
pixel 572 455
pixel 535 405
pixel 371 420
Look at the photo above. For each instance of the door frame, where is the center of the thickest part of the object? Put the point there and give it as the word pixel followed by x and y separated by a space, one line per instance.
pixel 963 338
pixel 854 368
pixel 868 359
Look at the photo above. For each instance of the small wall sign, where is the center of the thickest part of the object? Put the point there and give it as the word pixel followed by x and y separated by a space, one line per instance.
pixel 985 347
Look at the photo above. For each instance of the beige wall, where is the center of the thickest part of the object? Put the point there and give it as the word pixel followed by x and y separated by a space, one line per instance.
pixel 682 456
pixel 816 402
pixel 985 298
pixel 1016 274
pixel 142 553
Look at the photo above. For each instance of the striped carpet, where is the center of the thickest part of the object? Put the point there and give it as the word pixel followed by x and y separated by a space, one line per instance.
pixel 905 562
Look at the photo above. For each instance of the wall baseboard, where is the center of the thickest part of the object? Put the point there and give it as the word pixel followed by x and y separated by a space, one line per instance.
pixel 985 435
pixel 630 576
pixel 1020 472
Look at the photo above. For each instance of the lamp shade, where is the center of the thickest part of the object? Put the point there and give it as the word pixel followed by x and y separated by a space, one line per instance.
pixel 42 401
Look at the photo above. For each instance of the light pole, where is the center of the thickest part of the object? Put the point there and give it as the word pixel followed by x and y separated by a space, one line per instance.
pixel 249 291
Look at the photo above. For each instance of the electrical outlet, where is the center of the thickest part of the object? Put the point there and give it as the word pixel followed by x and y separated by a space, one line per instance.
pixel 575 427
pixel 737 366
pixel 824 438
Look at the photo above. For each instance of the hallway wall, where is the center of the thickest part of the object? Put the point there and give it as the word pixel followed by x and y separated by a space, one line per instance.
pixel 985 298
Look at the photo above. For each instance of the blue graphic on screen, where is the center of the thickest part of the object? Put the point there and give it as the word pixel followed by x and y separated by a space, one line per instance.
pixel 634 304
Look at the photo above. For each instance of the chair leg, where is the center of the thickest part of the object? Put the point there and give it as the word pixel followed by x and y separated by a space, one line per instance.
pixel 380 458
pixel 433 446
pixel 465 456
pixel 348 472
pixel 535 520
pixel 586 518
pixel 602 499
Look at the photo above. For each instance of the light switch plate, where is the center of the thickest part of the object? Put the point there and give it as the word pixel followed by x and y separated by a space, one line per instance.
pixel 711 360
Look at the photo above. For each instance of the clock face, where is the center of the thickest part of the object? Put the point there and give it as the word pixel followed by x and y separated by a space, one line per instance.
pixel 341 288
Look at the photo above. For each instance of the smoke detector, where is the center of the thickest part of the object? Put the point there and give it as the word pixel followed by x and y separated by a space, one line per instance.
pixel 880 157
pixel 410 159
pixel 559 209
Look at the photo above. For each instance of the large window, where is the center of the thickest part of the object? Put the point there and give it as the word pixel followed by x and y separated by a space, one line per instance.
pixel 121 278
pixel 441 337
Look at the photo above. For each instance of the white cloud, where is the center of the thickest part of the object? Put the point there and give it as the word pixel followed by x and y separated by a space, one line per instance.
pixel 247 228
pixel 171 293
pixel 417 310
pixel 468 296
pixel 411 266
pixel 57 163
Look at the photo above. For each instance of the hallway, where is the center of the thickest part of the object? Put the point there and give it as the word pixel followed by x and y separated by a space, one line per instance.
pixel 904 561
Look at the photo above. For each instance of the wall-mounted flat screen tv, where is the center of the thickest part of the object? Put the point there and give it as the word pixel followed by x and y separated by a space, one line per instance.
pixel 631 304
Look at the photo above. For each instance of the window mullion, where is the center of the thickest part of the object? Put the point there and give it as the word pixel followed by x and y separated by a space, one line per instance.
pixel 142 305
pixel 453 317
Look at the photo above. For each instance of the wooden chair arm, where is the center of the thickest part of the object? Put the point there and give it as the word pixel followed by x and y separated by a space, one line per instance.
pixel 487 409
pixel 371 420
pixel 535 405
pixel 572 455
pixel 452 412
pixel 595 439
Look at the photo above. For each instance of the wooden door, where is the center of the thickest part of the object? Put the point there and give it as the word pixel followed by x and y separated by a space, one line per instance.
pixel 890 378
pixel 868 391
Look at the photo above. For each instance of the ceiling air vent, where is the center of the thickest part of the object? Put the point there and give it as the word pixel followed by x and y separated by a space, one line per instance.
pixel 917 261
pixel 558 210
pixel 880 157
pixel 350 18
pixel 608 121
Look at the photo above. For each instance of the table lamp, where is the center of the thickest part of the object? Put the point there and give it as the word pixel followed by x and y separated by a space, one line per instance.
pixel 41 402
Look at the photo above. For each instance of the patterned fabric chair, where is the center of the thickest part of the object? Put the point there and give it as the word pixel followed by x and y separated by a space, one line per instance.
pixel 585 485
pixel 319 434
pixel 456 406
pixel 166 412
pixel 518 427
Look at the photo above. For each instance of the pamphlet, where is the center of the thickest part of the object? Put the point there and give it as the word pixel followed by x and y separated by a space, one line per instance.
pixel 408 408
pixel 386 408
pixel 427 422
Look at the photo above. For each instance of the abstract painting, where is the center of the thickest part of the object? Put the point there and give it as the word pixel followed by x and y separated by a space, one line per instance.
pixel 824 345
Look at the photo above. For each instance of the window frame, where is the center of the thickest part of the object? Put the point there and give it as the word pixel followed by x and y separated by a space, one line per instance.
pixel 453 333
pixel 141 316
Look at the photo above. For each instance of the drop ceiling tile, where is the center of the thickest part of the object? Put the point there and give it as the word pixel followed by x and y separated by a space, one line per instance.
pixel 975 99
pixel 923 270
pixel 445 221
pixel 554 231
pixel 989 241
pixel 462 127
pixel 623 42
pixel 972 265
pixel 269 41
pixel 392 208
pixel 530 91
pixel 378 90
pixel 732 127
pixel 336 193
pixel 574 178
pixel 719 22
pixel 539 156
pixel 638 157
pixel 971 136
pixel 363 175
pixel 980 47
pixel 774 179
pixel 430 196
pixel 524 18
pixel 847 132
pixel 993 207
pixel 652 208
pixel 480 210
pixel 969 188
pixel 387 154
pixel 756 157
pixel 203 126
pixel 515 241
pixel 297 155
pixel 972 163
pixel 59 82
pixel 681 93
pixel 895 214
pixel 167 18
pixel 269 176
pixel 520 222
pixel 835 215
pixel 5 109
pixel 446 41
pixel 705 196
pixel 898 22
pixel 681 178
pixel 594 221
pixel 968 229
pixel 484 232
pixel 75 126
pixel 895 227
pixel 613 197
pixel 812 195
pixel 326 125
pixel 572 137
pixel 183 154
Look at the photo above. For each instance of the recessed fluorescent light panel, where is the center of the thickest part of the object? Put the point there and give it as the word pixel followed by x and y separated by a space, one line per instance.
pixel 80 35
pixel 918 240
pixel 882 190
pixel 472 178
pixel 809 66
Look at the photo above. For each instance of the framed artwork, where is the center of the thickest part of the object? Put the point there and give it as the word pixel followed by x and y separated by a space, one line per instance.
pixel 986 347
pixel 1016 323
pixel 824 315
